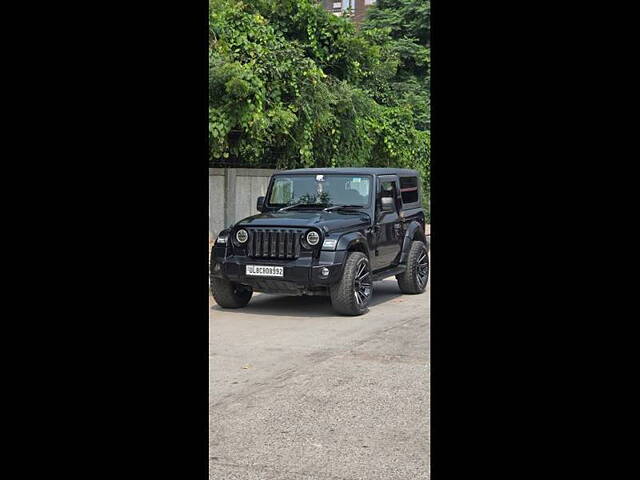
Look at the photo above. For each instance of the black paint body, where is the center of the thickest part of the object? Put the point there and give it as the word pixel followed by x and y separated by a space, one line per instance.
pixel 278 238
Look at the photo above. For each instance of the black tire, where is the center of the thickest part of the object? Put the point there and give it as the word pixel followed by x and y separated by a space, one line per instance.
pixel 351 295
pixel 414 279
pixel 230 295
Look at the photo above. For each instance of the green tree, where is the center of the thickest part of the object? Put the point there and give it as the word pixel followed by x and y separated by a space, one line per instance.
pixel 291 85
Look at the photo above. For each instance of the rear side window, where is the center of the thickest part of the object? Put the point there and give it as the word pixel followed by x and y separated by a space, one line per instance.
pixel 409 189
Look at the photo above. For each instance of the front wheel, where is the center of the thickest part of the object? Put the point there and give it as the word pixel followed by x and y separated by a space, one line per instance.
pixel 351 295
pixel 415 277
pixel 230 295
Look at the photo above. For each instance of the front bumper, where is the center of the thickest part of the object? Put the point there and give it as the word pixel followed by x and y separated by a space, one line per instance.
pixel 301 276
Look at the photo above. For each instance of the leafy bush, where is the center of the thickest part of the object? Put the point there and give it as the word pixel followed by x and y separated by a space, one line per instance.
pixel 291 85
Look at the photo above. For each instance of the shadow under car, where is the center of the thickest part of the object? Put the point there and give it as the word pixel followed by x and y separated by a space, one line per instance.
pixel 308 306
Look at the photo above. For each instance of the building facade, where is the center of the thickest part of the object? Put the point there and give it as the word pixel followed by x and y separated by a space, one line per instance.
pixel 358 8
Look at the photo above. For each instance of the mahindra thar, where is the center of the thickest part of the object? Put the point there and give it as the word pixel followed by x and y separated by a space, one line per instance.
pixel 328 231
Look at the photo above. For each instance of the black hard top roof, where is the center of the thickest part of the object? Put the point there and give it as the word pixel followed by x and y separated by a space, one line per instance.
pixel 354 171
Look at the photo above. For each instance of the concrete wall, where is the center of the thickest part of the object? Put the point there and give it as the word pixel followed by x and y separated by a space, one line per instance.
pixel 233 193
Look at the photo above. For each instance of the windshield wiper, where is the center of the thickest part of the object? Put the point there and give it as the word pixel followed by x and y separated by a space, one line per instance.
pixel 338 207
pixel 302 205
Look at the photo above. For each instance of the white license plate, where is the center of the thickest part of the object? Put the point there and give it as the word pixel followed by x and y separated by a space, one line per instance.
pixel 265 271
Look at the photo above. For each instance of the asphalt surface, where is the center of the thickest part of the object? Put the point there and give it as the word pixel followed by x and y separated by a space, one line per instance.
pixel 297 392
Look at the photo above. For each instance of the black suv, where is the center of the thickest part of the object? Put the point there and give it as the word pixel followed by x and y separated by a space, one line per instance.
pixel 329 231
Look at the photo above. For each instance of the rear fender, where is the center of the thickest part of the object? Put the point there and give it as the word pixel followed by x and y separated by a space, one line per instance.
pixel 414 232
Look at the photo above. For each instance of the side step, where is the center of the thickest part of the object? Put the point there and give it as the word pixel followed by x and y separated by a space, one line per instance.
pixel 381 275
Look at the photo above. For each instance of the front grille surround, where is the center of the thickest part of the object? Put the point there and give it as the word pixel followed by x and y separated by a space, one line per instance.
pixel 274 242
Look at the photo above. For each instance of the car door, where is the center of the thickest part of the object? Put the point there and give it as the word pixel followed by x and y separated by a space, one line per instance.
pixel 388 228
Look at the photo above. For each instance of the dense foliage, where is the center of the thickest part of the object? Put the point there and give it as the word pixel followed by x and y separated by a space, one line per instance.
pixel 291 85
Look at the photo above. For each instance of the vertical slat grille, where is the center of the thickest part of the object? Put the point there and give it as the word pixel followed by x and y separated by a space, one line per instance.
pixel 292 237
pixel 274 243
pixel 281 242
pixel 273 239
pixel 250 246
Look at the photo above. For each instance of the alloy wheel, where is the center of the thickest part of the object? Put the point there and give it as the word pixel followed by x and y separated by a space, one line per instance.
pixel 362 284
pixel 422 269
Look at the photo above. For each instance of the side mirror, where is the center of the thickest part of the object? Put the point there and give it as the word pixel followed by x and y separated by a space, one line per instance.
pixel 387 204
pixel 260 204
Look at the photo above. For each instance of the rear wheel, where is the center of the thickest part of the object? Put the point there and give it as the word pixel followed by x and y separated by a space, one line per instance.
pixel 230 295
pixel 415 277
pixel 351 295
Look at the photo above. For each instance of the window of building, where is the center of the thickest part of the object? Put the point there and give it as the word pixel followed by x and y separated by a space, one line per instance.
pixel 409 189
pixel 369 2
pixel 346 4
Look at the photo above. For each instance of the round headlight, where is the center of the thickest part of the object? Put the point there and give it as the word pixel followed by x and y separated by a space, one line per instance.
pixel 313 238
pixel 242 236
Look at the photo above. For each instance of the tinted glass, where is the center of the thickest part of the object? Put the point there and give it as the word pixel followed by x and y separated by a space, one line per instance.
pixel 409 189
pixel 408 182
pixel 324 189
pixel 388 189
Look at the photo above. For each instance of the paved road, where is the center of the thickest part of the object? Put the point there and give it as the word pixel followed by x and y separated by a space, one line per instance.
pixel 296 392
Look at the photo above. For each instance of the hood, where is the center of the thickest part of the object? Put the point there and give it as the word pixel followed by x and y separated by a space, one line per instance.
pixel 328 221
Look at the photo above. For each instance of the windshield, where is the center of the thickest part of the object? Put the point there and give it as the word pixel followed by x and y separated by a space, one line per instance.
pixel 320 189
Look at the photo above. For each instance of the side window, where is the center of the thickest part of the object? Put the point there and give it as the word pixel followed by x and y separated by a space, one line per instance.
pixel 388 189
pixel 409 189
